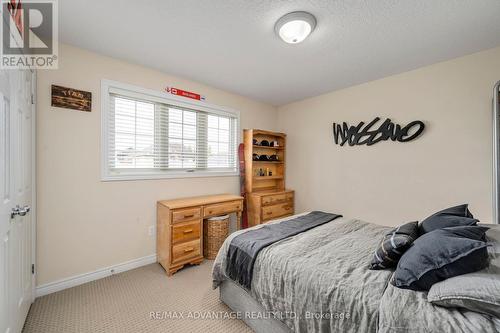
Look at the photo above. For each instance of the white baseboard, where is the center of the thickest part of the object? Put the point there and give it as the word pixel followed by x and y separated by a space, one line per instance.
pixel 76 280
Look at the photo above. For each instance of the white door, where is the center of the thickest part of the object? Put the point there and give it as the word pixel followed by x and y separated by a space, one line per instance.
pixel 16 134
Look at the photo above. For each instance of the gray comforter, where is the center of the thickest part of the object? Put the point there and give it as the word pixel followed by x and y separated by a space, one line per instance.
pixel 244 249
pixel 320 278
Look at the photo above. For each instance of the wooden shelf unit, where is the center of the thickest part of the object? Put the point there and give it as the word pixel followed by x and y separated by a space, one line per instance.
pixel 267 197
pixel 277 180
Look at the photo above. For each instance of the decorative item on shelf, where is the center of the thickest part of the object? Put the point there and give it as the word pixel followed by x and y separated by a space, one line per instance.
pixel 255 142
pixel 270 173
pixel 263 157
pixel 264 143
pixel 261 172
pixel 273 158
pixel 267 172
pixel 255 157
pixel 274 144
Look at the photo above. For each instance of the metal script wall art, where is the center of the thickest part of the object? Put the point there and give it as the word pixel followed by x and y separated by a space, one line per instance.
pixel 364 134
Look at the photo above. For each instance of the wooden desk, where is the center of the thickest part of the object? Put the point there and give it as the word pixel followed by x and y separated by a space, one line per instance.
pixel 179 231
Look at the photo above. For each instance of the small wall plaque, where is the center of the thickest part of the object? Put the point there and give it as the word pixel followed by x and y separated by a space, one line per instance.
pixel 69 98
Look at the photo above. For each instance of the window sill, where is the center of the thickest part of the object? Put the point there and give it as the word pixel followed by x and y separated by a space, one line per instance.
pixel 170 175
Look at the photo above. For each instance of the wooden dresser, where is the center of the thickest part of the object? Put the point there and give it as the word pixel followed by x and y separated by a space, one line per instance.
pixel 265 171
pixel 179 231
pixel 266 206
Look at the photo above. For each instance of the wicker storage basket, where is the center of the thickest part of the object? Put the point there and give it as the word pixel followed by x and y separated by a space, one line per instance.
pixel 215 231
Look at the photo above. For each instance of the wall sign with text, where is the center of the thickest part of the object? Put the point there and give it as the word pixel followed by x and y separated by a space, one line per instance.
pixel 184 93
pixel 368 134
pixel 70 98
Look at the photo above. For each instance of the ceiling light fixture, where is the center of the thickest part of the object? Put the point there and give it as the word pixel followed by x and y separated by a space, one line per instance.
pixel 294 27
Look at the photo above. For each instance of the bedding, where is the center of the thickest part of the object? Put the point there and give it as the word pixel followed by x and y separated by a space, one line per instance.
pixel 320 281
pixel 403 311
pixel 478 291
pixel 393 246
pixel 442 254
pixel 243 249
pixel 449 217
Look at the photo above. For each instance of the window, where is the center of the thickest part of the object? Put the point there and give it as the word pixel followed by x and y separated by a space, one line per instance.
pixel 147 134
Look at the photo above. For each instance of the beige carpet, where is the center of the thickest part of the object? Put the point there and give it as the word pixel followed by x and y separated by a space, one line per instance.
pixel 124 302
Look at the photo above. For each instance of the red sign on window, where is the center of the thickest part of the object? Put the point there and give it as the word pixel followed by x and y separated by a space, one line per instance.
pixel 184 93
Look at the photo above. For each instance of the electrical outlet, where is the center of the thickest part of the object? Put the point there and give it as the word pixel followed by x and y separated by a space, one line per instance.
pixel 151 230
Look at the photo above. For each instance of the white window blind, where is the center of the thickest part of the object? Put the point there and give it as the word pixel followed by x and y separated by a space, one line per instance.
pixel 147 137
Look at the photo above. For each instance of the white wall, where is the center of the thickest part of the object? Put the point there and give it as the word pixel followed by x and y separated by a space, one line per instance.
pixel 85 224
pixel 390 182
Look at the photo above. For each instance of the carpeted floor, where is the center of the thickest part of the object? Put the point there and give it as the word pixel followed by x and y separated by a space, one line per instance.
pixel 124 302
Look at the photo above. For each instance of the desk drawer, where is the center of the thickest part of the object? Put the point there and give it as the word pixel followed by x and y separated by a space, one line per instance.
pixel 275 211
pixel 223 208
pixel 189 214
pixel 185 232
pixel 186 251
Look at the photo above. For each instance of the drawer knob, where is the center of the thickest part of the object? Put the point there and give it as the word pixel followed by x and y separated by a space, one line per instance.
pixel 190 249
pixel 188 216
pixel 188 231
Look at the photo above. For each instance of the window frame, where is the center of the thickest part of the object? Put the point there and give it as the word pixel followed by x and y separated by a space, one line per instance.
pixel 133 91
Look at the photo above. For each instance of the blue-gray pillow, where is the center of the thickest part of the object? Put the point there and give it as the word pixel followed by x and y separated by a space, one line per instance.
pixel 441 254
pixel 450 217
pixel 393 246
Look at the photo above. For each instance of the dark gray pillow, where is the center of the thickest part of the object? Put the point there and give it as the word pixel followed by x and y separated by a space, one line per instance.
pixel 441 254
pixel 393 245
pixel 450 217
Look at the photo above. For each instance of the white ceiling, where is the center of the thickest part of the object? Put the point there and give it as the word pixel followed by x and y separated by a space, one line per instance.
pixel 231 44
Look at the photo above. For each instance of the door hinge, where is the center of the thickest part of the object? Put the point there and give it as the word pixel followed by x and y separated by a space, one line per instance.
pixel 32 268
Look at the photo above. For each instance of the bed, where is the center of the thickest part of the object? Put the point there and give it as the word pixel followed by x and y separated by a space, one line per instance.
pixel 319 281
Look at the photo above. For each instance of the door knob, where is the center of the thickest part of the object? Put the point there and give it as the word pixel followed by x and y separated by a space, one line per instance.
pixel 21 211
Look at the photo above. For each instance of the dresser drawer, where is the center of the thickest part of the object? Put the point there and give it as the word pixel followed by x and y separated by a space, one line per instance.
pixel 185 232
pixel 223 208
pixel 276 198
pixel 189 214
pixel 186 251
pixel 271 212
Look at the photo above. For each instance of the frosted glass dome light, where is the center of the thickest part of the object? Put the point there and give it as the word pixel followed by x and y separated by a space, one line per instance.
pixel 294 27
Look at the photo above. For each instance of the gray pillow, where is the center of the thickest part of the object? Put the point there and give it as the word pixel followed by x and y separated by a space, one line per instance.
pixel 449 217
pixel 479 291
pixel 393 246
pixel 441 254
